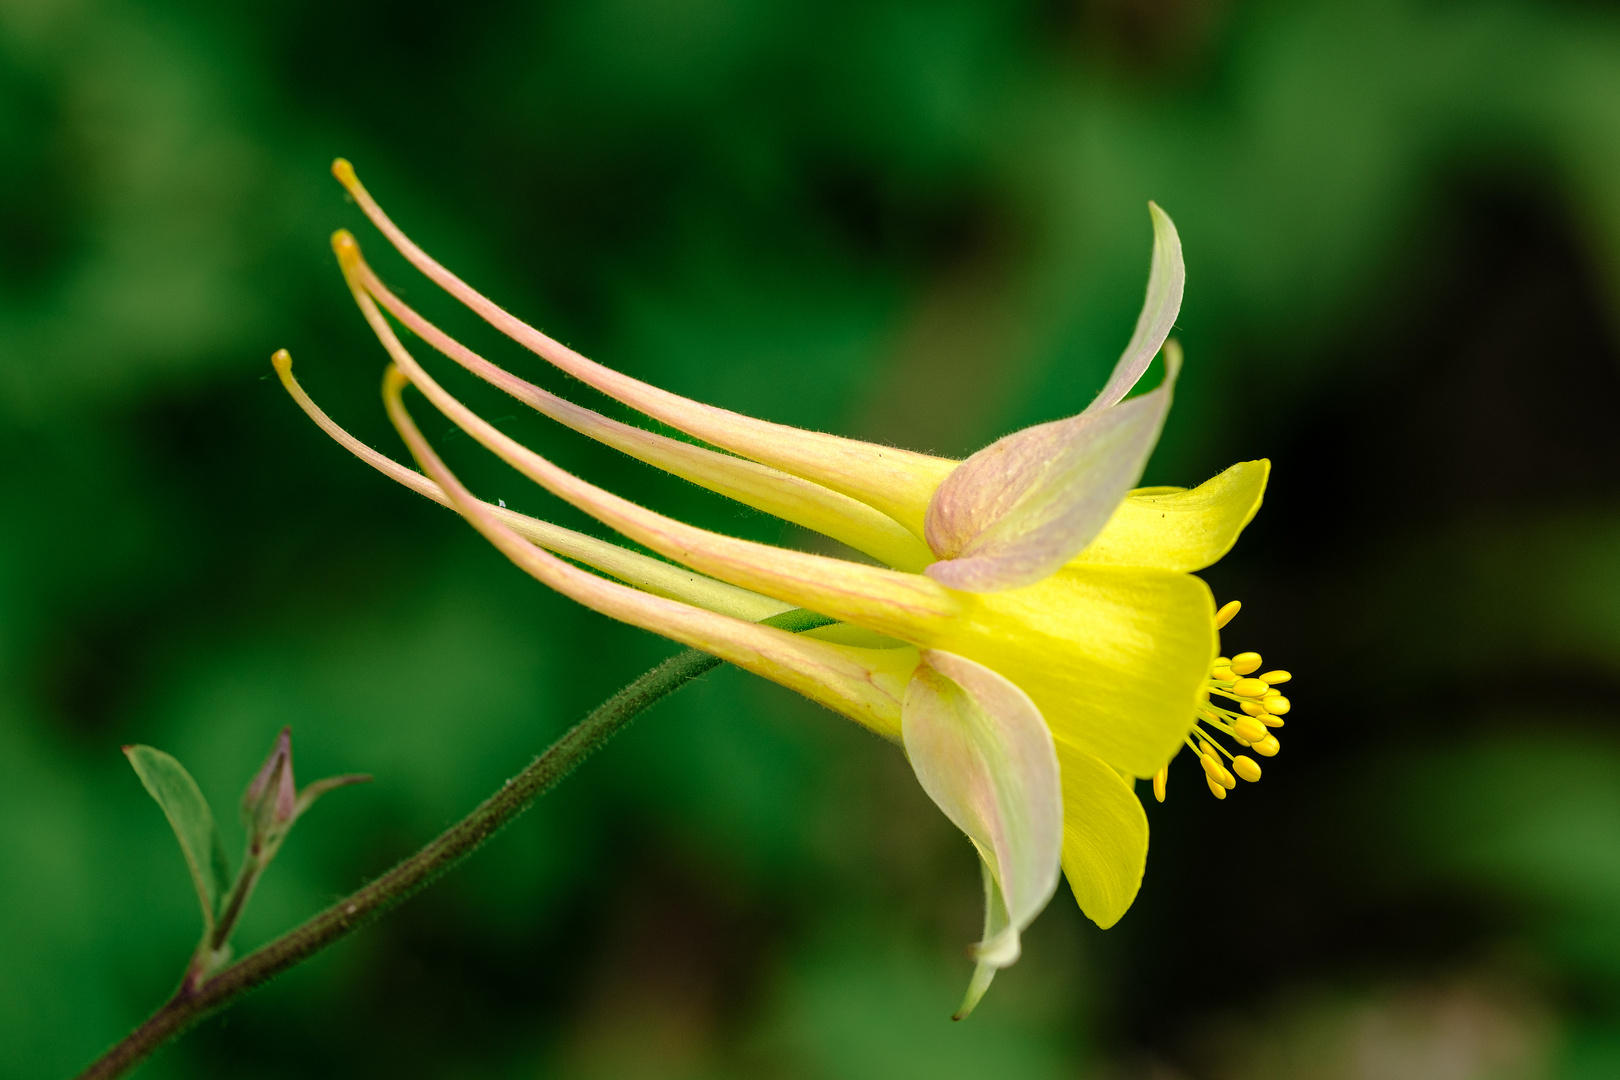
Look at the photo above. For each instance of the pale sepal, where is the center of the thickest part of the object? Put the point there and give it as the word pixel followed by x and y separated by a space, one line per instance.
pixel 1167 280
pixel 983 753
pixel 995 921
pixel 1019 509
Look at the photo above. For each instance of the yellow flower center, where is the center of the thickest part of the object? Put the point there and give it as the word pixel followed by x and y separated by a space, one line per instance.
pixel 1242 706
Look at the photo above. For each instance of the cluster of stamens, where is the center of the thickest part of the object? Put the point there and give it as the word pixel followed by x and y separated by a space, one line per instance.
pixel 1256 707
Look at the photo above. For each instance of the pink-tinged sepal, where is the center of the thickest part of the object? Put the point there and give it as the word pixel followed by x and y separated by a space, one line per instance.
pixel 1167 279
pixel 1016 511
pixel 983 753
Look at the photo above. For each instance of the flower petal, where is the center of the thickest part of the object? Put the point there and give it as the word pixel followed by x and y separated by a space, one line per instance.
pixel 867 685
pixel 790 497
pixel 1114 657
pixel 1105 836
pixel 1167 280
pixel 983 753
pixel 896 482
pixel 1026 504
pixel 647 574
pixel 1179 529
pixel 886 601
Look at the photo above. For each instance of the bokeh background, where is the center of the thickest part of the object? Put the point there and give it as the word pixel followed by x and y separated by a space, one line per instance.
pixel 920 221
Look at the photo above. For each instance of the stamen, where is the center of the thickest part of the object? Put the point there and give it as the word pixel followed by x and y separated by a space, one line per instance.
pixel 1260 707
pixel 1249 729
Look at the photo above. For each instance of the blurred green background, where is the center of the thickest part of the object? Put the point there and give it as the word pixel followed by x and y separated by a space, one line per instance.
pixel 920 222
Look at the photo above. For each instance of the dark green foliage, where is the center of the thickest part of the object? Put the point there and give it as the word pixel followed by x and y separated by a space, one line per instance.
pixel 920 222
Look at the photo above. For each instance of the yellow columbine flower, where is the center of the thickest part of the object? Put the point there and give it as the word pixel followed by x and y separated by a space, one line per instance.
pixel 1033 638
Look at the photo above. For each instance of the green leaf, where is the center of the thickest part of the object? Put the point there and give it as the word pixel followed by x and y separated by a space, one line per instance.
pixel 183 804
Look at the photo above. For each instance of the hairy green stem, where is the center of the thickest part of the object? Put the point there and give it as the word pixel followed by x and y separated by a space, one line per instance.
pixel 198 998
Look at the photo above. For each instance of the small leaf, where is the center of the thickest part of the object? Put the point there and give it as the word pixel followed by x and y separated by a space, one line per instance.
pixel 307 797
pixel 167 781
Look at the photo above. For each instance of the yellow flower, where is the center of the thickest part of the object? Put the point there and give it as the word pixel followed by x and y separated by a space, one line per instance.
pixel 1033 638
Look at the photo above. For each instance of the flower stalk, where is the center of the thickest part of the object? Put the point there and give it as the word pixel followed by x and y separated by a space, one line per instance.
pixel 203 993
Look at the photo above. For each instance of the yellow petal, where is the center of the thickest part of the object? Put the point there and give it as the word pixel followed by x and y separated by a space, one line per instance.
pixel 1105 836
pixel 867 685
pixel 896 482
pixel 1181 530
pixel 1113 657
pixel 792 498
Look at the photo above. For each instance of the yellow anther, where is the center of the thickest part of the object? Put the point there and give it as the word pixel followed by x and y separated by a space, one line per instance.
pixel 1249 729
pixel 1250 688
pixel 1277 706
pixel 1215 789
pixel 1275 677
pixel 1220 661
pixel 1223 674
pixel 1268 746
pixel 1160 779
pixel 1216 772
pixel 1227 613
pixel 1246 767
pixel 1271 721
pixel 1245 662
pixel 1254 709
